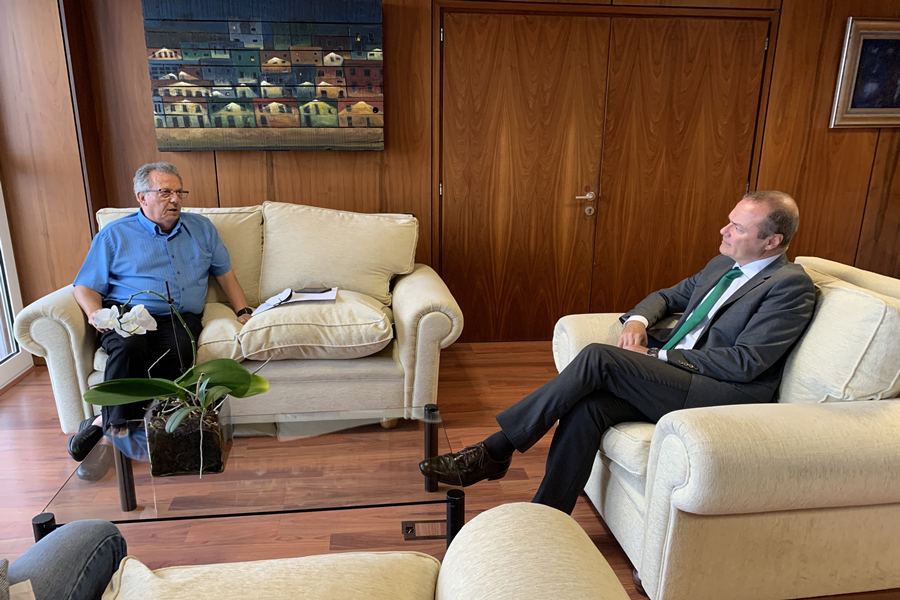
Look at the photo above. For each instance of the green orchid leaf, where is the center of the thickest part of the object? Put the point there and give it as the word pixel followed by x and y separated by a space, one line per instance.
pixel 201 391
pixel 256 385
pixel 220 371
pixel 128 390
pixel 213 395
pixel 177 417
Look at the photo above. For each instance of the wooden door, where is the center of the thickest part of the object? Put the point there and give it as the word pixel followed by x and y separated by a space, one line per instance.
pixel 522 128
pixel 682 109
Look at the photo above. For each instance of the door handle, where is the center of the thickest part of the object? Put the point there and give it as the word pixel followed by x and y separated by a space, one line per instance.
pixel 589 197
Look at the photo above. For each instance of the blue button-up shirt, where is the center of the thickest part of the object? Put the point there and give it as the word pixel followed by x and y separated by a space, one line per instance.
pixel 132 255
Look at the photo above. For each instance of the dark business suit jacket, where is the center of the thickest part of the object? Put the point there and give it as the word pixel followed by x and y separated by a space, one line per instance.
pixel 747 341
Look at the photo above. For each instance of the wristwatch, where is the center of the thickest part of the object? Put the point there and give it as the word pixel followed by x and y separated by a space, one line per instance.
pixel 245 311
pixel 653 352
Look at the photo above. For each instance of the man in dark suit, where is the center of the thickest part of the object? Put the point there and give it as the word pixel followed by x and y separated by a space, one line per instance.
pixel 741 315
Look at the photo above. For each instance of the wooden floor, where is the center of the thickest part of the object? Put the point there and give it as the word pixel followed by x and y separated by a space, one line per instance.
pixel 477 381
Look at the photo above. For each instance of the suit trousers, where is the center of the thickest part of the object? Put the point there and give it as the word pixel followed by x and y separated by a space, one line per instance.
pixel 604 385
pixel 135 355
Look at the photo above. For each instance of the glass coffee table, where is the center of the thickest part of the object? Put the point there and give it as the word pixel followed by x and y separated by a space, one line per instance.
pixel 278 464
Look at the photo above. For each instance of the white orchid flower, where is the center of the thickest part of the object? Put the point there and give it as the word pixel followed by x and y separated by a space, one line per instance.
pixel 136 321
pixel 107 318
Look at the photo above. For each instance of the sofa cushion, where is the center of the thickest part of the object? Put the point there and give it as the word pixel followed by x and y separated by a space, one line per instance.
pixel 845 352
pixel 628 445
pixel 219 338
pixel 240 230
pixel 317 385
pixel 351 326
pixel 371 575
pixel 308 247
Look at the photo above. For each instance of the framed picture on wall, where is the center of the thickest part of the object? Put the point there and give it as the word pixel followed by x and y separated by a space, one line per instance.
pixel 266 75
pixel 868 85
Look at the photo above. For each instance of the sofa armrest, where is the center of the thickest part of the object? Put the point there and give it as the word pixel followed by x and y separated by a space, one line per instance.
pixel 56 328
pixel 525 550
pixel 573 332
pixel 427 318
pixel 757 458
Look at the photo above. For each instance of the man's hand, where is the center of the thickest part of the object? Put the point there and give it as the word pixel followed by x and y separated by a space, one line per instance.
pixel 90 302
pixel 235 293
pixel 93 324
pixel 633 335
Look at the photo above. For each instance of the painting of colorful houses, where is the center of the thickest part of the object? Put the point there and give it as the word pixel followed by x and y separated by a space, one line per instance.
pixel 266 74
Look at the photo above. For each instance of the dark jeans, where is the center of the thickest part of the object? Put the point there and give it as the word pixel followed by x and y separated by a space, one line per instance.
pixel 133 357
pixel 74 562
pixel 604 385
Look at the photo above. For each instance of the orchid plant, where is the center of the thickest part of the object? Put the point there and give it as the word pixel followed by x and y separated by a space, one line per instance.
pixel 202 388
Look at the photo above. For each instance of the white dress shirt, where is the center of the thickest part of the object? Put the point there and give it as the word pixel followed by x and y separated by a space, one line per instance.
pixel 748 271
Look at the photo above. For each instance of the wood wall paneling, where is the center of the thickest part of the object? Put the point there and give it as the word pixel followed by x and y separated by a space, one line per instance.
pixel 85 116
pixel 765 88
pixel 40 167
pixel 244 177
pixel 339 180
pixel 597 2
pixel 406 168
pixel 520 139
pixel 682 107
pixel 118 61
pixel 879 240
pixel 703 3
pixel 826 170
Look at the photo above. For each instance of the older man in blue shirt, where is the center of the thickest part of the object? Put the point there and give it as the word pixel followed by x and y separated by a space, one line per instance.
pixel 145 251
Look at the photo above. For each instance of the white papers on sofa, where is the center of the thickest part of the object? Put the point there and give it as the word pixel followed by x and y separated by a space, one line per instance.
pixel 288 296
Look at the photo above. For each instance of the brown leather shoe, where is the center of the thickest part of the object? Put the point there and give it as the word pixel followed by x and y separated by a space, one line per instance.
pixel 469 465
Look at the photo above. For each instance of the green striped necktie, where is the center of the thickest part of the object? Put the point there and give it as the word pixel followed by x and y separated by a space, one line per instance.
pixel 701 311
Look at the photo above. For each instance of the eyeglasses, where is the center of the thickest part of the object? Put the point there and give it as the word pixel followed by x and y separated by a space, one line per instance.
pixel 166 194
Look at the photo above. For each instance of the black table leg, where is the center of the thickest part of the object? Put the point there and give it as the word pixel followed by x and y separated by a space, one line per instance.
pixel 42 525
pixel 456 513
pixel 432 420
pixel 125 477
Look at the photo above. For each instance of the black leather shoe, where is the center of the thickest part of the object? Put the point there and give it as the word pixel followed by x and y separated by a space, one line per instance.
pixel 468 466
pixel 81 444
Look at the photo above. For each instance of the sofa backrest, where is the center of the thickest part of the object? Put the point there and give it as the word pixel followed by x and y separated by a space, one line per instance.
pixel 882 284
pixel 851 349
pixel 280 245
pixel 240 230
pixel 306 246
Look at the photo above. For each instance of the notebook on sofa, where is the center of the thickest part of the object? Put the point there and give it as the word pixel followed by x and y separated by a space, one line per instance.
pixel 302 295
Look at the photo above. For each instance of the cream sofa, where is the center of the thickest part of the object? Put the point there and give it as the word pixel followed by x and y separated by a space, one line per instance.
pixel 510 552
pixel 795 499
pixel 376 347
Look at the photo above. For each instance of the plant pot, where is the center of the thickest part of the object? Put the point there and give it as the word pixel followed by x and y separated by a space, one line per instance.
pixel 179 452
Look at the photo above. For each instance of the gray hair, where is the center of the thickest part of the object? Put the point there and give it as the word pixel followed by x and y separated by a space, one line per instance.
pixel 142 177
pixel 783 217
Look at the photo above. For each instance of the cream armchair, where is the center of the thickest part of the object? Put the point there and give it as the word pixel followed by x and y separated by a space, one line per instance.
pixel 274 246
pixel 794 499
